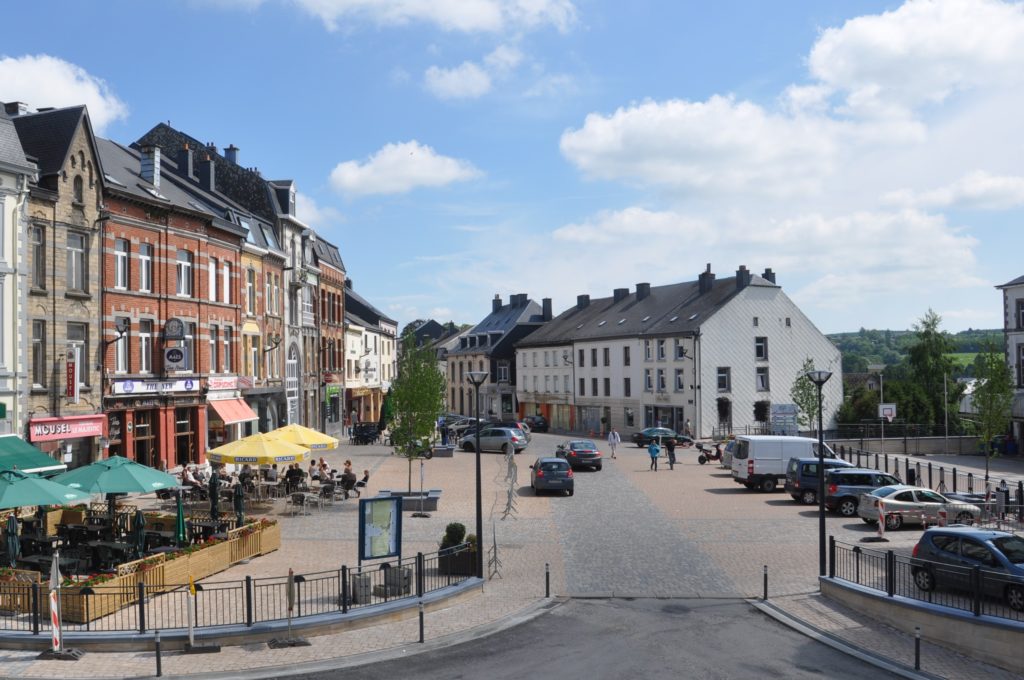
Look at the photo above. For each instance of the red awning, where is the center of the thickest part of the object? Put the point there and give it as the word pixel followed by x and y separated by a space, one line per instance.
pixel 233 411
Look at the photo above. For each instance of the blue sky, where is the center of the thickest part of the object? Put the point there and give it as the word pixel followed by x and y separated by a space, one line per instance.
pixel 868 152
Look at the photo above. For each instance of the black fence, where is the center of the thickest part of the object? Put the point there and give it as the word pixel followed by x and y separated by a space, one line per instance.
pixel 141 608
pixel 974 590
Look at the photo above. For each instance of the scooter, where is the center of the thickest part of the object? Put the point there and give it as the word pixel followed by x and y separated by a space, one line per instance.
pixel 707 454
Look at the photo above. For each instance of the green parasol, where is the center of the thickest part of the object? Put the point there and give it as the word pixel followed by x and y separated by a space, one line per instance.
pixel 18 490
pixel 180 532
pixel 11 542
pixel 117 475
pixel 138 535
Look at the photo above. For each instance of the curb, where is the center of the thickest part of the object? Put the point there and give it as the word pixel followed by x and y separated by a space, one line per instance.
pixel 826 638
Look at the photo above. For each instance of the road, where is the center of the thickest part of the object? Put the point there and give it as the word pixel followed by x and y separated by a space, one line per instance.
pixel 642 638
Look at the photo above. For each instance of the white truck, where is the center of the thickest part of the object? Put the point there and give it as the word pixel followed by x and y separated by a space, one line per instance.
pixel 759 461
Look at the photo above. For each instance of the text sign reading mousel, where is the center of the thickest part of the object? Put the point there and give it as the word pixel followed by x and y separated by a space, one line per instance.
pixel 71 427
pixel 155 386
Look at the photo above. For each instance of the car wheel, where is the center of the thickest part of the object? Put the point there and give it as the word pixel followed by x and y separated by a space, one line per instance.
pixel 808 497
pixel 571 491
pixel 847 507
pixel 893 521
pixel 924 579
pixel 504 448
pixel 598 466
pixel 467 447
pixel 1015 597
pixel 964 518
pixel 768 484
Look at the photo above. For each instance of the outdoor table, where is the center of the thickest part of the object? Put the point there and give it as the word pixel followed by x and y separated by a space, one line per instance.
pixel 123 549
pixel 44 563
pixel 156 537
pixel 205 528
pixel 47 544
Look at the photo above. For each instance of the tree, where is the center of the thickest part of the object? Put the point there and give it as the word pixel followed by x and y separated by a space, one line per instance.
pixel 417 396
pixel 804 394
pixel 930 364
pixel 993 397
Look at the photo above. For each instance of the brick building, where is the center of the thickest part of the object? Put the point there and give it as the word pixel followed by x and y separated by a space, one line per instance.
pixel 332 336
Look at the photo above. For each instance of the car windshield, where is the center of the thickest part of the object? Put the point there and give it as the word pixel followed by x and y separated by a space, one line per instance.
pixel 886 491
pixel 1012 547
pixel 582 446
pixel 552 465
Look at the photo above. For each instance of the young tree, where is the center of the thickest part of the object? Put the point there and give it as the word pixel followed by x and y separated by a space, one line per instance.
pixel 417 400
pixel 930 364
pixel 993 397
pixel 804 394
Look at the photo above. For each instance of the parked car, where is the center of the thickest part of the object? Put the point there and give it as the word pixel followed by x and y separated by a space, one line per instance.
pixel 802 477
pixel 843 487
pixel 759 460
pixel 964 548
pixel 905 504
pixel 580 453
pixel 501 439
pixel 458 428
pixel 644 437
pixel 551 474
pixel 516 424
pixel 537 423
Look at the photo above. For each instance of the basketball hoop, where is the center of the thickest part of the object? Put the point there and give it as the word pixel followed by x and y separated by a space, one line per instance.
pixel 889 418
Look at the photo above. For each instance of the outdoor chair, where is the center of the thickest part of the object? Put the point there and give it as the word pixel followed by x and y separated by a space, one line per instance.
pixel 297 503
pixel 327 493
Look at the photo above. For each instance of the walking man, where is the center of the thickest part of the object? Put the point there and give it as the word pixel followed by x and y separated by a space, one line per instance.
pixel 653 450
pixel 613 440
pixel 670 447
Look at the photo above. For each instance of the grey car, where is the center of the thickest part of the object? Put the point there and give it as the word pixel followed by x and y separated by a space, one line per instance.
pixel 843 487
pixel 999 556
pixel 503 439
pixel 904 504
pixel 552 474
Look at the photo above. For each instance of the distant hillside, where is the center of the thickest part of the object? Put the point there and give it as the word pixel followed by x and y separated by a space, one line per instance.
pixel 864 347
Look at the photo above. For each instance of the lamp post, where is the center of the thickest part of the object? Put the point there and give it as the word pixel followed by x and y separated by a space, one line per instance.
pixel 477 378
pixel 819 378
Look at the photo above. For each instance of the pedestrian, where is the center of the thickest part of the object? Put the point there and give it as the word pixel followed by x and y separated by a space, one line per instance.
pixel 688 431
pixel 653 450
pixel 1002 498
pixel 670 447
pixel 614 440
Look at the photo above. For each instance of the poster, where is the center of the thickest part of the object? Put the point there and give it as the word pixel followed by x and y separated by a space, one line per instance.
pixel 380 527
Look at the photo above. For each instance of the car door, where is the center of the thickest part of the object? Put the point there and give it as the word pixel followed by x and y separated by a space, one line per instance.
pixel 930 504
pixel 488 439
pixel 905 504
pixel 976 554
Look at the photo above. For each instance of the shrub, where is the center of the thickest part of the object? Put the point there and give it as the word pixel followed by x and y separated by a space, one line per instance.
pixel 454 534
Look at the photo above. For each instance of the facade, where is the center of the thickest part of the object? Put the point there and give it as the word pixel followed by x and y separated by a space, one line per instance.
pixel 62 315
pixel 704 351
pixel 1013 329
pixel 332 337
pixel 370 356
pixel 490 347
pixel 16 172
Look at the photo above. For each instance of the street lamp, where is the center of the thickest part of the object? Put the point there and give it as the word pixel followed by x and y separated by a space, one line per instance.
pixel 819 378
pixel 477 379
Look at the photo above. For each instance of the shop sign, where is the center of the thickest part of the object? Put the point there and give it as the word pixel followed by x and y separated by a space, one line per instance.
pixel 175 359
pixel 222 382
pixel 155 386
pixel 71 427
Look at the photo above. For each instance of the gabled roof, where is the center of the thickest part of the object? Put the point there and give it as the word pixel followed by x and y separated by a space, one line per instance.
pixel 1016 282
pixel 47 136
pixel 519 310
pixel 363 309
pixel 11 154
pixel 328 252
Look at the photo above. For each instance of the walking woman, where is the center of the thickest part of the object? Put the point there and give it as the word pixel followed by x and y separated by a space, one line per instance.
pixel 613 440
pixel 653 450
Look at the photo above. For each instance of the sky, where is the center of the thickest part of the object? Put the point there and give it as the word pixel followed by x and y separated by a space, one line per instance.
pixel 868 152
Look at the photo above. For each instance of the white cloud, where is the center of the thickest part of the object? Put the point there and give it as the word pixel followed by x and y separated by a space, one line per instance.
pixel 307 210
pixel 42 81
pixel 398 168
pixel 503 59
pixel 466 81
pixel 468 16
pixel 550 85
pixel 625 226
pixel 978 190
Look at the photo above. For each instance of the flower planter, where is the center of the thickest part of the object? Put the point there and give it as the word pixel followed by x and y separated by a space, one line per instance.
pixel 457 564
pixel 209 560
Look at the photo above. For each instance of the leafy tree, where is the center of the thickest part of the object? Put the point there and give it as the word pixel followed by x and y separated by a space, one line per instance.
pixel 913 405
pixel 861 404
pixel 804 394
pixel 993 397
pixel 417 399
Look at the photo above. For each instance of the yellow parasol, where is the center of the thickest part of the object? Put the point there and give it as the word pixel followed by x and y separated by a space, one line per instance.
pixel 258 449
pixel 304 436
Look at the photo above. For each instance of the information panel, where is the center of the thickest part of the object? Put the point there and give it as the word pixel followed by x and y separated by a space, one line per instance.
pixel 380 527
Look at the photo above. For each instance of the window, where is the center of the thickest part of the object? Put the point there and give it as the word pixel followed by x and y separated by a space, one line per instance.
pixel 78 337
pixel 607 387
pixel 762 378
pixel 214 347
pixel 121 347
pixel 38 257
pixel 680 349
pixel 535 381
pixel 629 417
pixel 761 348
pixel 228 343
pixel 648 380
pixel 593 356
pixel 724 378
pixel 565 380
pixel 661 350
pixel 79 189
pixel 266 293
pixel 679 379
pixel 533 355
pixel 189 345
pixel 226 281
pixel 250 291
pixel 1020 314
pixel 547 383
pixel 212 284
pixel 121 263
pixel 547 358
pixel 184 273
pixel 661 379
pixel 788 322
pixel 277 294
pixel 78 258
pixel 503 370
pixel 647 350
pixel 755 321
pixel 39 354
pixel 145 346
pixel 583 386
pixel 625 355
pixel 145 268
pixel 524 359
pixel 582 355
pixel 607 356
pixel 626 392
pixel 593 387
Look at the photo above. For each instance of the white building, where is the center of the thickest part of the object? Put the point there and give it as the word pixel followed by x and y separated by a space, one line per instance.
pixel 703 351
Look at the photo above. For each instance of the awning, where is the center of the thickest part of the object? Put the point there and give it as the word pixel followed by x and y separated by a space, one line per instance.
pixel 17 453
pixel 233 411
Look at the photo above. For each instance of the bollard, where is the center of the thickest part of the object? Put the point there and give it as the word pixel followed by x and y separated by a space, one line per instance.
pixel 421 623
pixel 917 648
pixel 547 579
pixel 764 595
pixel 156 644
pixel 955 475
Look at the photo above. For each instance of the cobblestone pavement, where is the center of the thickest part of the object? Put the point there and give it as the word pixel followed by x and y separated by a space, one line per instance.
pixel 684 532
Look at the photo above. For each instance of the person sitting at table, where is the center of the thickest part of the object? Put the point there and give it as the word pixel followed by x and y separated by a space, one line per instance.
pixel 348 481
pixel 272 473
pixel 314 471
pixel 325 471
pixel 188 477
pixel 361 484
pixel 293 477
pixel 246 478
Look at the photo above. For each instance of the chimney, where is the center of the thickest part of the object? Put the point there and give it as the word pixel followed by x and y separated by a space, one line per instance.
pixel 706 281
pixel 582 301
pixel 496 304
pixel 620 294
pixel 150 165
pixel 348 283
pixel 185 162
pixel 545 305
pixel 231 154
pixel 742 277
pixel 768 275
pixel 642 290
pixel 14 109
pixel 208 174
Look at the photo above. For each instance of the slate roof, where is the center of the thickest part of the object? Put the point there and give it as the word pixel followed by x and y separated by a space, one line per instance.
pixel 500 322
pixel 360 307
pixel 47 136
pixel 1016 282
pixel 328 252
pixel 673 309
pixel 11 153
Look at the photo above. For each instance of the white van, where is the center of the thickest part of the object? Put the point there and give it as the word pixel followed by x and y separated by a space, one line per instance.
pixel 759 461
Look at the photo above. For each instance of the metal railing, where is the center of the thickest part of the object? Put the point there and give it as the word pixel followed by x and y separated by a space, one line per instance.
pixel 142 608
pixel 971 589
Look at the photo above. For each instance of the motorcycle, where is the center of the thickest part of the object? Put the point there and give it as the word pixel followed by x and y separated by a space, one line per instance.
pixel 707 454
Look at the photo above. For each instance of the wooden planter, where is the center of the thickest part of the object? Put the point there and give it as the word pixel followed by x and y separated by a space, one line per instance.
pixel 270 539
pixel 210 560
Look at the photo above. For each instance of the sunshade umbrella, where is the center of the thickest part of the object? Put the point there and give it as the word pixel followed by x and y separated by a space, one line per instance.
pixel 214 496
pixel 238 500
pixel 117 474
pixel 260 449
pixel 305 436
pixel 387 412
pixel 11 542
pixel 180 534
pixel 18 489
pixel 139 533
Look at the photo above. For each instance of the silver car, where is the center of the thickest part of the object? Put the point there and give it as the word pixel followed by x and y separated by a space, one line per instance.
pixel 503 439
pixel 904 504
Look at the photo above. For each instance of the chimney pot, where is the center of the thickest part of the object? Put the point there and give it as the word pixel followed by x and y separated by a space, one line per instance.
pixel 185 161
pixel 14 109
pixel 496 304
pixel 208 174
pixel 742 277
pixel 231 154
pixel 582 301
pixel 620 294
pixel 768 275
pixel 706 281
pixel 546 309
pixel 642 290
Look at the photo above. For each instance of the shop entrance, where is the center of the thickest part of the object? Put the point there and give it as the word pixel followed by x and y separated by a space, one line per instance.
pixel 145 437
pixel 185 436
